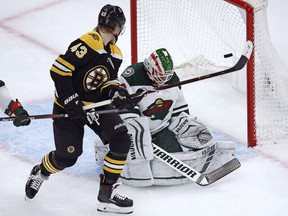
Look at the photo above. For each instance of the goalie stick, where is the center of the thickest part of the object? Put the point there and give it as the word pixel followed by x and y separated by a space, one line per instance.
pixel 238 66
pixel 192 174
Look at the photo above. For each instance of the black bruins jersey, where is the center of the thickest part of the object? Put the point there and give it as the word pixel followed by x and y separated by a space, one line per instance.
pixel 88 68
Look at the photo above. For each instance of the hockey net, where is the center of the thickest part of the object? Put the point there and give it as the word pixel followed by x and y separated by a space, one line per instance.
pixel 200 33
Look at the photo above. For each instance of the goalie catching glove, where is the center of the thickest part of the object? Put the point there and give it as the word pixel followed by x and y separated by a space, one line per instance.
pixel 190 133
pixel 22 116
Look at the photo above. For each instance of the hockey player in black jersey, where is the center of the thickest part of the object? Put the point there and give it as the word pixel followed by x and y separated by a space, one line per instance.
pixel 85 74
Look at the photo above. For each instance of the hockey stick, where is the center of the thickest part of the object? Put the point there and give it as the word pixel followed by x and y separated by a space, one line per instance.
pixel 54 116
pixel 238 66
pixel 192 174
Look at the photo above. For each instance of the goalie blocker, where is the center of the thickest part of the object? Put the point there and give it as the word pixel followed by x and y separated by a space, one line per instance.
pixel 153 171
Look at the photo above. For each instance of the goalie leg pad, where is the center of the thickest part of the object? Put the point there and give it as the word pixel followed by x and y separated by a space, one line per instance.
pixel 141 148
pixel 224 152
pixel 137 170
pixel 164 175
pixel 137 174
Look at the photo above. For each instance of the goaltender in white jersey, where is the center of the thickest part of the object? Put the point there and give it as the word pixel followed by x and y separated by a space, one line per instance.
pixel 163 118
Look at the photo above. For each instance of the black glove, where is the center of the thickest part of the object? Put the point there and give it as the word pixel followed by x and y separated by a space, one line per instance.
pixel 122 99
pixel 74 108
pixel 22 116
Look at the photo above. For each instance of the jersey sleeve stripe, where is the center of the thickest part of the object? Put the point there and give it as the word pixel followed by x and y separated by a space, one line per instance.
pixel 178 110
pixel 110 83
pixel 60 72
pixel 65 63
pixel 61 67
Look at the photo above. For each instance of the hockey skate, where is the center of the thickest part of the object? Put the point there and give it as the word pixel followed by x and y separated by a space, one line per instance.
pixel 34 182
pixel 110 201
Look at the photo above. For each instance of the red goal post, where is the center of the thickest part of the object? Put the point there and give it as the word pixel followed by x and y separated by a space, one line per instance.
pixel 214 28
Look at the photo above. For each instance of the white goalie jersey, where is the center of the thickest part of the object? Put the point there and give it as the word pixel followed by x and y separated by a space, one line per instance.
pixel 159 107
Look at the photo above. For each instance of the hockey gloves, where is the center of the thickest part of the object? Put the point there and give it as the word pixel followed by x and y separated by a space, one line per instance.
pixel 122 99
pixel 74 108
pixel 16 109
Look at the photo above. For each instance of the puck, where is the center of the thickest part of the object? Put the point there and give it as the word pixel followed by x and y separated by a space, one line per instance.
pixel 228 55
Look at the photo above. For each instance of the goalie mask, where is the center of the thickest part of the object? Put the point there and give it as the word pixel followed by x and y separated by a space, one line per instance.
pixel 159 66
pixel 110 16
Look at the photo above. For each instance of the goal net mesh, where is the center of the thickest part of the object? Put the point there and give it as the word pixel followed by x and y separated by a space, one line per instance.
pixel 199 33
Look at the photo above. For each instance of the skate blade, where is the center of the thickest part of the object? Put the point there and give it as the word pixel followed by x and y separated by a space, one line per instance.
pixel 112 208
pixel 26 198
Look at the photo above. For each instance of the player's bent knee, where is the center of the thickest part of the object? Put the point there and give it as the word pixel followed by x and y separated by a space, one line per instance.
pixel 120 143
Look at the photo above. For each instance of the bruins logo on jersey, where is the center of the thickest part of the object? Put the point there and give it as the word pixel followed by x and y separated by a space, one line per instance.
pixel 159 109
pixel 95 78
